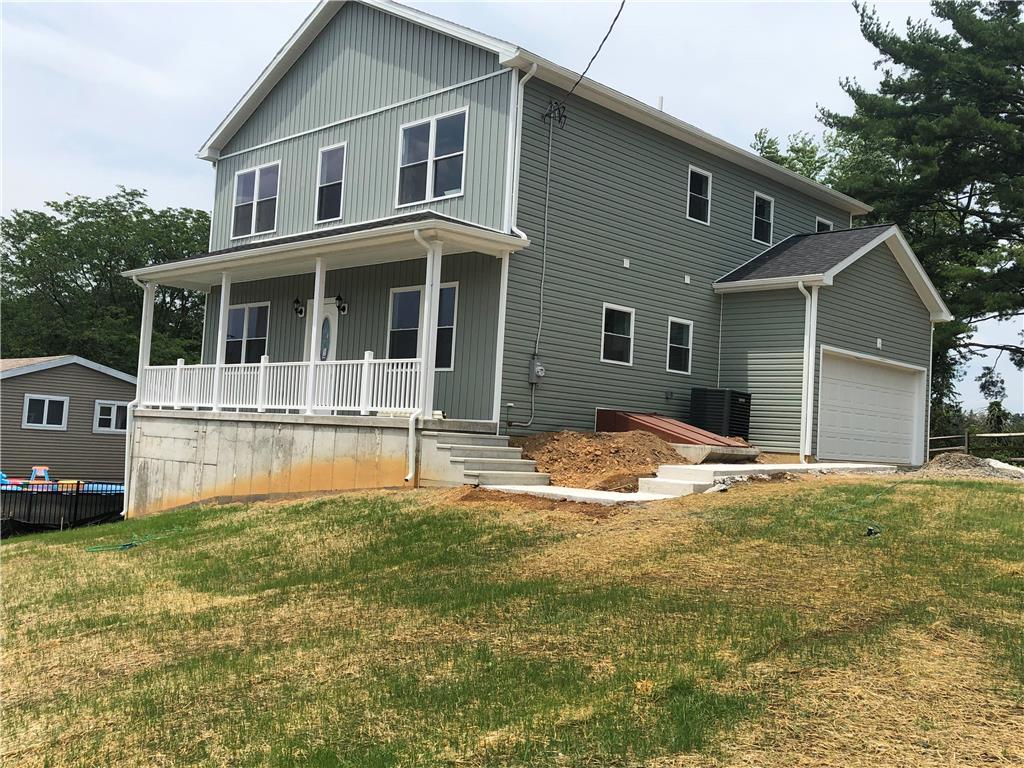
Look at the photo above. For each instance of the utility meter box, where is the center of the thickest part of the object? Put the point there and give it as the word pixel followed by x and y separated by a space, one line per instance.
pixel 537 371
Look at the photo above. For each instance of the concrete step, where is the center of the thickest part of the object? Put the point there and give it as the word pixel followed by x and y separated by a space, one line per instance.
pixel 481 451
pixel 671 487
pixel 496 465
pixel 507 478
pixel 467 438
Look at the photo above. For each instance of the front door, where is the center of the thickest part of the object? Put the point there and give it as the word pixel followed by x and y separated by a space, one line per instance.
pixel 327 333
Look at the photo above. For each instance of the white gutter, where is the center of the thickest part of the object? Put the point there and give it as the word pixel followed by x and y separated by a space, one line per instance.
pixel 520 105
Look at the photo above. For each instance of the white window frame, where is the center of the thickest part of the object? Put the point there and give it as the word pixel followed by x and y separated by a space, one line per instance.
pixel 317 185
pixel 62 427
pixel 819 220
pixel 111 430
pixel 245 327
pixel 632 332
pixel 256 199
pixel 431 159
pixel 669 345
pixel 771 219
pixel 689 174
pixel 419 322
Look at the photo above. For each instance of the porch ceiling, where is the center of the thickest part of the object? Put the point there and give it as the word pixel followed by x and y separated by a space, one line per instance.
pixel 293 256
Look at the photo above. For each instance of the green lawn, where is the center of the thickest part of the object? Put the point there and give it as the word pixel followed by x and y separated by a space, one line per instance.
pixel 420 629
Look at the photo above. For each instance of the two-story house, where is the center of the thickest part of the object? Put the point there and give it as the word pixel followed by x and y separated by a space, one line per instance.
pixel 416 231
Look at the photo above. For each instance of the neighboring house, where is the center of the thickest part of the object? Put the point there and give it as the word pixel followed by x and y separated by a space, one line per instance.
pixel 390 171
pixel 64 412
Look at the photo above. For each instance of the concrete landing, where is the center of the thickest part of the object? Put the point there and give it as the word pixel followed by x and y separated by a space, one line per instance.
pixel 564 493
pixel 709 473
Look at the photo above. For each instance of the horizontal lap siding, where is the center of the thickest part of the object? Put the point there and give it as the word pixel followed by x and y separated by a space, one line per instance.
pixel 77 453
pixel 465 392
pixel 869 300
pixel 618 191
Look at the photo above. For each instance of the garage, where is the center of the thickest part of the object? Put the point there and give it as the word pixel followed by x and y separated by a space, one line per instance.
pixel 870 409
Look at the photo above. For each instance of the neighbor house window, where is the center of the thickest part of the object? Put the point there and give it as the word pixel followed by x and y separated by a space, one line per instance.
pixel 617 335
pixel 110 416
pixel 822 225
pixel 330 183
pixel 255 201
pixel 764 215
pixel 247 333
pixel 45 412
pixel 432 159
pixel 680 345
pixel 404 324
pixel 698 205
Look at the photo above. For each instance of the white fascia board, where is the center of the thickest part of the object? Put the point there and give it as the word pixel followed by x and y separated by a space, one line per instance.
pixel 67 360
pixel 665 123
pixel 769 283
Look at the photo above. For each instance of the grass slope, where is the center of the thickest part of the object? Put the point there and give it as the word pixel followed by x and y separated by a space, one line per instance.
pixel 755 627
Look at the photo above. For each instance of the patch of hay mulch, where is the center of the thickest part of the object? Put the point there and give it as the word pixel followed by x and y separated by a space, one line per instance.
pixel 607 461
pixel 963 465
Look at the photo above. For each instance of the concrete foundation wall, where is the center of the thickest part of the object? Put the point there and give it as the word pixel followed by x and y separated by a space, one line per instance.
pixel 181 458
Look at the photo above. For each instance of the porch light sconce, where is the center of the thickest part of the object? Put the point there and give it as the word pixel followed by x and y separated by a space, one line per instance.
pixel 299 307
pixel 341 304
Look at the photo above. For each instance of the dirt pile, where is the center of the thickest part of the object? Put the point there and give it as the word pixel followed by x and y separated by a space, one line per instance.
pixel 609 461
pixel 966 466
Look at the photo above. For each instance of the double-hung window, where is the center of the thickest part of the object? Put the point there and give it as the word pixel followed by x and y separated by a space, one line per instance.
pixel 764 217
pixel 247 333
pixel 330 183
pixel 45 412
pixel 822 225
pixel 432 155
pixel 255 201
pixel 405 315
pixel 110 416
pixel 617 335
pixel 698 204
pixel 680 345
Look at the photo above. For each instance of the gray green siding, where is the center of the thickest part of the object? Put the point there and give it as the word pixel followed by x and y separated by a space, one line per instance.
pixel 77 453
pixel 762 353
pixel 618 190
pixel 872 299
pixel 465 392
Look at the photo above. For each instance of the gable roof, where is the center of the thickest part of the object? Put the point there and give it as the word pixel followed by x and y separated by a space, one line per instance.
pixel 815 258
pixel 515 57
pixel 19 366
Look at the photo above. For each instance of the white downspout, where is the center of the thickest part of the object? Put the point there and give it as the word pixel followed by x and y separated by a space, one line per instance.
pixel 520 105
pixel 805 371
pixel 813 362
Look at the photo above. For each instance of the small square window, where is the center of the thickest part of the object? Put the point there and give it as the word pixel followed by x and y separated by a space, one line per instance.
pixel 255 209
pixel 822 225
pixel 110 416
pixel 432 159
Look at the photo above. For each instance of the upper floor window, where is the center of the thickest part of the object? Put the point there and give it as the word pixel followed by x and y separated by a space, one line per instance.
pixel 431 165
pixel 330 183
pixel 110 416
pixel 680 345
pixel 698 204
pixel 45 412
pixel 822 225
pixel 617 335
pixel 764 218
pixel 255 201
pixel 404 325
pixel 247 333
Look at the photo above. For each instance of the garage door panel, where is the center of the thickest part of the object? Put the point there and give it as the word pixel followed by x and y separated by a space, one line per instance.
pixel 867 411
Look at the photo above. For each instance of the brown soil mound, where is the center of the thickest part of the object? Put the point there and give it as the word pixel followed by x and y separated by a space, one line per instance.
pixel 964 465
pixel 609 461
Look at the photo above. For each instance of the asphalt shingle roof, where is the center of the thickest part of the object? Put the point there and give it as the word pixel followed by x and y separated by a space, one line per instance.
pixel 810 254
pixel 11 363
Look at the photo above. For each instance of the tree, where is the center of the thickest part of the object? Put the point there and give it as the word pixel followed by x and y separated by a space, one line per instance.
pixel 63 289
pixel 939 150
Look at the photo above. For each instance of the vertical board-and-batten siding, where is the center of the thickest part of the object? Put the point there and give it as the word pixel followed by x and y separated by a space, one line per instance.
pixel 872 299
pixel 466 392
pixel 618 190
pixel 762 353
pixel 77 453
pixel 364 60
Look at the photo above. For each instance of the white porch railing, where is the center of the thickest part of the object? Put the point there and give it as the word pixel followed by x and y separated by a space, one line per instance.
pixel 354 386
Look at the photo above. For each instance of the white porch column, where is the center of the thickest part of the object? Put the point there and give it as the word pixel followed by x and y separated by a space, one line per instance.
pixel 428 344
pixel 145 338
pixel 499 346
pixel 222 337
pixel 314 336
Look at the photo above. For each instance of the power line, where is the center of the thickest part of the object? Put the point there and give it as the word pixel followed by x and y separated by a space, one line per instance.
pixel 599 47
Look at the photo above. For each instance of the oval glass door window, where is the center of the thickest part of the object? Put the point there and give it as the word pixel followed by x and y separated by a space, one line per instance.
pixel 325 338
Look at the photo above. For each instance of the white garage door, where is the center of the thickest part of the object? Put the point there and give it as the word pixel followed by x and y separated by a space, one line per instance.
pixel 869 411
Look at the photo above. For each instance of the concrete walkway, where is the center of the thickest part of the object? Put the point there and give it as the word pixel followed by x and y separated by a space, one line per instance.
pixel 565 493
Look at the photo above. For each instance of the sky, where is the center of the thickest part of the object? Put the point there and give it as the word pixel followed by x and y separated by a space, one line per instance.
pixel 100 94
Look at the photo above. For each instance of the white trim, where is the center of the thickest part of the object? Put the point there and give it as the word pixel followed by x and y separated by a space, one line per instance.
pixel 771 219
pixel 833 350
pixel 62 427
pixel 669 345
pixel 813 333
pixel 255 200
pixel 689 174
pixel 318 185
pixel 721 318
pixel 419 323
pixel 510 152
pixel 632 331
pixel 432 158
pixel 499 347
pixel 46 365
pixel 245 326
pixel 767 283
pixel 111 430
pixel 819 220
